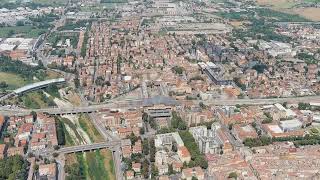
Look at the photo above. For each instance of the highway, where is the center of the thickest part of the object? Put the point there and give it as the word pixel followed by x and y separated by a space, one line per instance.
pixel 139 103
pixel 88 147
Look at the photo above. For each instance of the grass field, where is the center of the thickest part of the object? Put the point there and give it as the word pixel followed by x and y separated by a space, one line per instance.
pixel 89 128
pixel 95 165
pixel 52 74
pixel 36 100
pixel 74 98
pixel 277 3
pixel 108 163
pixel 25 31
pixel 315 130
pixel 96 168
pixel 287 6
pixel 51 2
pixel 14 81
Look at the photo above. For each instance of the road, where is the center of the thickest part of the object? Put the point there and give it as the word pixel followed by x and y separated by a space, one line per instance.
pixel 139 103
pixel 88 147
pixel 60 166
pixel 108 137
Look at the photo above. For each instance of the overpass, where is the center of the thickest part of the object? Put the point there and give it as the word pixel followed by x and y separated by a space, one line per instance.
pixel 137 103
pixel 38 85
pixel 88 147
pixel 33 86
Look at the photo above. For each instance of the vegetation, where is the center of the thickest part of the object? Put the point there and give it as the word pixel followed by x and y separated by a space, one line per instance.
pixel 207 124
pixel 108 163
pixel 53 90
pixel 77 170
pixel 36 100
pixel 11 81
pixel 259 68
pixel 34 4
pixel 14 167
pixel 197 159
pixel 233 175
pixel 268 119
pixel 60 132
pixel 239 84
pixel 304 106
pixel 89 128
pixel 177 122
pixel 145 147
pixel 178 70
pixel 96 167
pixel 309 59
pixel 261 141
pixel 70 25
pixel 90 165
pixel 84 44
pixel 260 29
pixel 297 140
pixel 17 67
pixel 113 1
pixel 69 140
pixel 54 38
pixel 25 31
pixel 43 21
pixel 152 150
pixel 263 13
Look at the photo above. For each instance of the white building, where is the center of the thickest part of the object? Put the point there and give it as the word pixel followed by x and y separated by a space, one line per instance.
pixel 207 140
pixel 167 139
pixel 290 125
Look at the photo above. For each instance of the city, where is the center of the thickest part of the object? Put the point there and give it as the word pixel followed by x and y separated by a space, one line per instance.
pixel 159 89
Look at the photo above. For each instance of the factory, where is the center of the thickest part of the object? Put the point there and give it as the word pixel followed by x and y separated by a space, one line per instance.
pixel 18 48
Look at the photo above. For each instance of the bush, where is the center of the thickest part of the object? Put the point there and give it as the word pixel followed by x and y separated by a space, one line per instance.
pixel 233 175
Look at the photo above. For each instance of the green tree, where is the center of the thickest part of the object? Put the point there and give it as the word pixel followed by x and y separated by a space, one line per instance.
pixel 233 175
pixel 145 145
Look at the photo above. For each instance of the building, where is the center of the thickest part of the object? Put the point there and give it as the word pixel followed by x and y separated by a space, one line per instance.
pixel 207 140
pixel 136 167
pixel 129 175
pixel 15 151
pixel 195 172
pixel 166 140
pixel 184 154
pixel 161 162
pixel 241 132
pixel 48 171
pixel 290 125
pixel 274 130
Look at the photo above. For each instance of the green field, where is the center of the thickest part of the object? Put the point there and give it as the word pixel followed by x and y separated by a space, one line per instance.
pixel 51 2
pixel 96 165
pixel 36 100
pixel 14 81
pixel 25 31
pixel 89 128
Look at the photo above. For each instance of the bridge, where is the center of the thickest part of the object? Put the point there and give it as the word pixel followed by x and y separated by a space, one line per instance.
pixel 88 147
pixel 33 86
pixel 38 85
pixel 137 103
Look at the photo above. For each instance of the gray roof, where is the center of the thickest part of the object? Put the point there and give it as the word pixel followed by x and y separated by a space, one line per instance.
pixel 38 84
pixel 159 100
